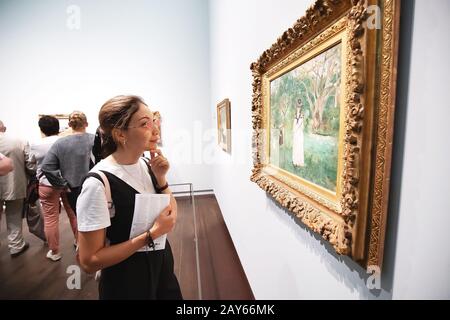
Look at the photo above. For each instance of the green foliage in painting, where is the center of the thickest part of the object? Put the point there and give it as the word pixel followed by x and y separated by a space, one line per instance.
pixel 310 92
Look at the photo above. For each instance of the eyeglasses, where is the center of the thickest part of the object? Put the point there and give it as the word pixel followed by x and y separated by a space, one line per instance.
pixel 147 124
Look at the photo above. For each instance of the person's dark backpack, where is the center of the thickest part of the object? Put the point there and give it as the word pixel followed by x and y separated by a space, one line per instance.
pixel 97 147
pixel 32 210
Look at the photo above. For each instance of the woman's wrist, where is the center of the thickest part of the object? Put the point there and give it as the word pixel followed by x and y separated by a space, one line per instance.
pixel 150 242
pixel 153 233
pixel 145 238
pixel 162 185
pixel 142 239
pixel 161 181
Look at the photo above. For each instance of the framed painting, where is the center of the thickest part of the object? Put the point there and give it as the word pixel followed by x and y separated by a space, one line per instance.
pixel 323 107
pixel 224 125
pixel 63 119
pixel 157 119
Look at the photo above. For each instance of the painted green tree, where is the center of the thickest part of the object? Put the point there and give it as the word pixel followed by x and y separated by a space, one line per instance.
pixel 316 84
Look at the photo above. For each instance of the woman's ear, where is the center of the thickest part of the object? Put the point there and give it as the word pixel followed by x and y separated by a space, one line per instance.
pixel 117 135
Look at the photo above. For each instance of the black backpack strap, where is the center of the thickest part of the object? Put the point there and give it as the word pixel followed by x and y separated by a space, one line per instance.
pixel 93 175
pixel 152 175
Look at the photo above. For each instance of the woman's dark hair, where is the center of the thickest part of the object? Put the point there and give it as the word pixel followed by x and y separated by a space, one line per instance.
pixel 116 113
pixel 49 125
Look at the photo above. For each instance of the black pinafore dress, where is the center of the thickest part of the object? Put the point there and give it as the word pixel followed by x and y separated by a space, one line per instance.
pixel 144 275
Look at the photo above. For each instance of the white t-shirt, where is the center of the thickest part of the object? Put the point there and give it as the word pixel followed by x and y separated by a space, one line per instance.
pixel 92 208
pixel 40 149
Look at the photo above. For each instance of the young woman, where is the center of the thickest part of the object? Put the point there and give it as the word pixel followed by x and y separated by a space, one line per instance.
pixel 104 231
pixel 49 196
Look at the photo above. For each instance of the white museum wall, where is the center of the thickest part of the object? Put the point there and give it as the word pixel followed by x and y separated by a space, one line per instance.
pixel 283 260
pixel 422 259
pixel 156 49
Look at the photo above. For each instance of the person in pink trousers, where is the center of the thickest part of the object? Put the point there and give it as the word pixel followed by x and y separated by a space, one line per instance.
pixel 50 196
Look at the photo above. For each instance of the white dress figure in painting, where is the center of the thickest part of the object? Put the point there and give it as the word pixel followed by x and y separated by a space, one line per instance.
pixel 297 141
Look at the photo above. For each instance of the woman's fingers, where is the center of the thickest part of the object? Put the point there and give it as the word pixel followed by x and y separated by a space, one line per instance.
pixel 166 220
pixel 160 163
pixel 155 152
pixel 158 160
pixel 166 211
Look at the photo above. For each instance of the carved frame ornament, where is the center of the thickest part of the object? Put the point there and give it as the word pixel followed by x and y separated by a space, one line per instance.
pixel 353 219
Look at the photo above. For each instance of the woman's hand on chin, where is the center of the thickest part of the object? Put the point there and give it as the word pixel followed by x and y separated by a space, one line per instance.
pixel 160 165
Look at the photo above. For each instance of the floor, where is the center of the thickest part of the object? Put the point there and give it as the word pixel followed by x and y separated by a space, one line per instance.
pixel 33 276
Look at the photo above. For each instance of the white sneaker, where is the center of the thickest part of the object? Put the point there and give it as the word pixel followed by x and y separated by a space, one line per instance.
pixel 54 257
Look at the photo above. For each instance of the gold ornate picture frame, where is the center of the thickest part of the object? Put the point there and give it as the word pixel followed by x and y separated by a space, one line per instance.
pixel 224 125
pixel 158 122
pixel 63 119
pixel 323 110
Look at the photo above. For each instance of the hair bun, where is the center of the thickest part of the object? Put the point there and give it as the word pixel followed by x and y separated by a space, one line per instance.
pixel 77 120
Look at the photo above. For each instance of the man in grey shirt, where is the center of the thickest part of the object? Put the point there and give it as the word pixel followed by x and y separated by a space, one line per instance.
pixel 69 159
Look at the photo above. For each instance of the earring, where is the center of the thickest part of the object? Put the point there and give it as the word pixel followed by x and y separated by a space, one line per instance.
pixel 124 142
